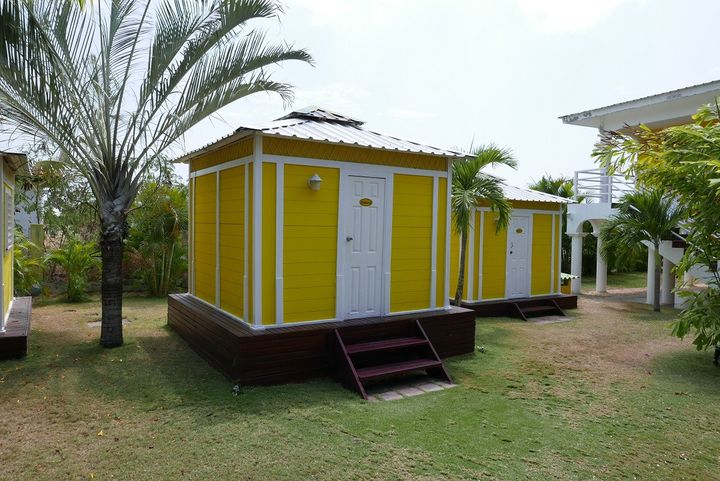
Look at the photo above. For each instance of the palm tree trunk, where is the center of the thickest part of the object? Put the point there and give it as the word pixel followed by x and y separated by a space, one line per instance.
pixel 111 246
pixel 656 290
pixel 461 273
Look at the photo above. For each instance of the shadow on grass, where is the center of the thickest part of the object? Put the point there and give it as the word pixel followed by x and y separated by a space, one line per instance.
pixel 689 367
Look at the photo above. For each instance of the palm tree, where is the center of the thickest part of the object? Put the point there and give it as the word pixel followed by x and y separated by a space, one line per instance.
pixel 469 184
pixel 643 216
pixel 115 84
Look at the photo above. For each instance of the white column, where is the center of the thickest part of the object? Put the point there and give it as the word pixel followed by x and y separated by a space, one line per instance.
pixel 668 283
pixel 600 268
pixel 650 275
pixel 576 261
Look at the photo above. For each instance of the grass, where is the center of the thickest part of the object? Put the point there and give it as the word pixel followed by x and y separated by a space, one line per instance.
pixel 608 395
pixel 618 280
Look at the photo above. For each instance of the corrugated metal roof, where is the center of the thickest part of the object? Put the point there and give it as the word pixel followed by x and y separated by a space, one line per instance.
pixel 523 194
pixel 322 125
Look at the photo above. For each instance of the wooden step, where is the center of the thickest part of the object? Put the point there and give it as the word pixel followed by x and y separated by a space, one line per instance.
pixel 386 344
pixel 373 372
pixel 538 309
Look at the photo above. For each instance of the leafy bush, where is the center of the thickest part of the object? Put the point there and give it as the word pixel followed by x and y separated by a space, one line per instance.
pixel 157 237
pixel 28 265
pixel 78 260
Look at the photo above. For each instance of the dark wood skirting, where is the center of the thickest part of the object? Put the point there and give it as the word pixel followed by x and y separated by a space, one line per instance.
pixel 504 307
pixel 14 342
pixel 293 353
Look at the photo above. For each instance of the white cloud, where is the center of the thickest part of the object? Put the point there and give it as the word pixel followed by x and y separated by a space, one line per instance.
pixel 409 114
pixel 338 12
pixel 566 16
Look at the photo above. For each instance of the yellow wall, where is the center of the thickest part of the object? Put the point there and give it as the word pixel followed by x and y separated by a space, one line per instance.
pixel 410 261
pixel 269 183
pixel 441 227
pixel 234 151
pixel 494 254
pixel 310 244
pixel 205 226
pixel 558 253
pixel 316 150
pixel 7 262
pixel 232 239
pixel 475 239
pixel 542 248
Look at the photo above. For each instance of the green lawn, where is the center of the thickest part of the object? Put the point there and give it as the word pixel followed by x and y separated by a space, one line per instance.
pixel 608 395
pixel 618 280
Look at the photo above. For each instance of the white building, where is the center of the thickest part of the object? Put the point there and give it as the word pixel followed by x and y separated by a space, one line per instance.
pixel 656 111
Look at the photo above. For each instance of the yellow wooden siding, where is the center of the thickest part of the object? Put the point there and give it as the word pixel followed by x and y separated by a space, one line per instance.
pixel 310 244
pixel 542 248
pixel 494 253
pixel 269 183
pixel 236 150
pixel 454 260
pixel 251 317
pixel 7 262
pixel 440 260
pixel 317 150
pixel 477 255
pixel 232 239
pixel 191 242
pixel 410 260
pixel 205 237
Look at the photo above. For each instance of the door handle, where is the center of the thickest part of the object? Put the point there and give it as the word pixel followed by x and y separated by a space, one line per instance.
pixel 348 238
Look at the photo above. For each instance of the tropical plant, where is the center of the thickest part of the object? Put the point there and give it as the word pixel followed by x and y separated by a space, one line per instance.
pixel 78 260
pixel 643 216
pixel 157 235
pixel 470 184
pixel 682 161
pixel 28 265
pixel 113 86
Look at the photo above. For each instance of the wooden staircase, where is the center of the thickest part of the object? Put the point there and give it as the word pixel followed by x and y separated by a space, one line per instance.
pixel 536 308
pixel 365 361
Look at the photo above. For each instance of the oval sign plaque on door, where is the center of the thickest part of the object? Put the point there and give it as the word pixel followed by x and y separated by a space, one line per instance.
pixel 365 202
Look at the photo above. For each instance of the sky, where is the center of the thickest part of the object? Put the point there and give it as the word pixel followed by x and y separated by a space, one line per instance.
pixel 466 72
pixel 456 73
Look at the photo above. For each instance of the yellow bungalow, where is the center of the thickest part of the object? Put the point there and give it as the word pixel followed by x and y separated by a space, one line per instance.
pixel 515 271
pixel 316 232
pixel 15 316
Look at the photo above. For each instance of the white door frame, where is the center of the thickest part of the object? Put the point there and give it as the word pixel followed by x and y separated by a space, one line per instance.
pixel 343 205
pixel 529 215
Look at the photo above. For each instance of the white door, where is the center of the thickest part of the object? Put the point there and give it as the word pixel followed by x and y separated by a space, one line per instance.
pixel 518 257
pixel 364 246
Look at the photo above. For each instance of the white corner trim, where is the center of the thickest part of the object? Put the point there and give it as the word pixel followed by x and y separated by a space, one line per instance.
pixel 279 241
pixel 481 247
pixel 257 230
pixel 225 165
pixel 191 287
pixel 448 221
pixel 470 257
pixel 433 249
pixel 341 252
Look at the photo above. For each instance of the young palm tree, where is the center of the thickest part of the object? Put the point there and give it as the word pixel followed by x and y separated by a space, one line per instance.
pixel 469 184
pixel 644 216
pixel 115 84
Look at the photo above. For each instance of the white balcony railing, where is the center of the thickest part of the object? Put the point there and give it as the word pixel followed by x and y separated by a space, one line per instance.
pixel 596 186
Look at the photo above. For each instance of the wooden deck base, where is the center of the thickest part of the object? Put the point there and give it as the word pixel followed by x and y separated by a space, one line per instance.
pixel 294 353
pixel 505 307
pixel 15 340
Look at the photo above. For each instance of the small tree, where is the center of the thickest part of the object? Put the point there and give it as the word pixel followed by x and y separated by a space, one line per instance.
pixel 469 184
pixel 78 260
pixel 644 216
